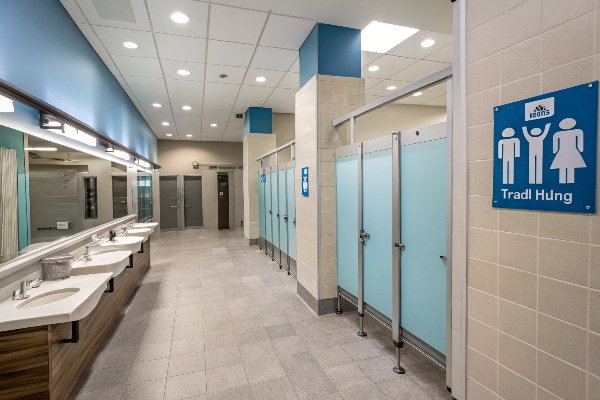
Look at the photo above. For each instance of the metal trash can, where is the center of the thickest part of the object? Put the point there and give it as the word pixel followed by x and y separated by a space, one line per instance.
pixel 57 267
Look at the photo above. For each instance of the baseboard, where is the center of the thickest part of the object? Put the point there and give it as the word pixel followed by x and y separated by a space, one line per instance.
pixel 251 242
pixel 319 307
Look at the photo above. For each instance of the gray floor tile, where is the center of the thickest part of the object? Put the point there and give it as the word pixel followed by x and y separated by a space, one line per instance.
pixel 238 393
pixel 113 358
pixel 263 370
pixel 404 388
pixel 370 392
pixel 107 378
pixel 151 390
pixel 257 351
pixel 185 386
pixel 104 394
pixel 148 370
pixel 222 357
pixel 362 350
pixel 331 356
pixel 225 378
pixel 251 335
pixel 276 389
pixel 378 369
pixel 280 331
pixel 347 376
pixel 187 346
pixel 186 363
pixel 288 345
pixel 186 332
pixel 153 351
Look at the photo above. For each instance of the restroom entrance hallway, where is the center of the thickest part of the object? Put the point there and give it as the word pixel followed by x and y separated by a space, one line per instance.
pixel 216 319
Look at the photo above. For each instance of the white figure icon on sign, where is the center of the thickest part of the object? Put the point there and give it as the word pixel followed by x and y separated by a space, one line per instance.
pixel 536 152
pixel 508 150
pixel 568 146
pixel 305 185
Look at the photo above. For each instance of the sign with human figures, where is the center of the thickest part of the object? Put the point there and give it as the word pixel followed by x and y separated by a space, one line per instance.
pixel 545 150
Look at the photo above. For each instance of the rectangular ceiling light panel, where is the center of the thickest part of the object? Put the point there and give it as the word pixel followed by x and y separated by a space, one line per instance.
pixel 379 37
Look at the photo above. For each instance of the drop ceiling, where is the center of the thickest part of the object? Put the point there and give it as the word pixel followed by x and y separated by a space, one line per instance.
pixel 245 39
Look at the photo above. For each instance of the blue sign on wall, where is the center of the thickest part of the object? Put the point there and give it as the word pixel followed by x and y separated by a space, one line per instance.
pixel 545 151
pixel 305 181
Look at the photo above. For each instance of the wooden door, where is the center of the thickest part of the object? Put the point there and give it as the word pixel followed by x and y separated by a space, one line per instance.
pixel 223 192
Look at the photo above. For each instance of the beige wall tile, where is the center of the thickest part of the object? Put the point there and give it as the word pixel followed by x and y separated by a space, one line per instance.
pixel 482 276
pixel 560 378
pixel 562 340
pixel 482 338
pixel 593 387
pixel 483 244
pixel 517 356
pixel 484 40
pixel 573 227
pixel 557 44
pixel 575 73
pixel 481 142
pixel 595 265
pixel 483 307
pixel 479 392
pixel 484 74
pixel 519 221
pixel 514 387
pixel 521 23
pixel 481 213
pixel 509 4
pixel 556 12
pixel 595 221
pixel 517 321
pixel 594 354
pixel 481 11
pixel 518 251
pixel 522 89
pixel 480 178
pixel 595 310
pixel 481 107
pixel 522 60
pixel 545 395
pixel 566 261
pixel 563 301
pixel 518 287
pixel 482 369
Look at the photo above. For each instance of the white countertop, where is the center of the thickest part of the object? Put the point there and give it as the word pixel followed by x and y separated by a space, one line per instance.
pixel 83 293
pixel 111 261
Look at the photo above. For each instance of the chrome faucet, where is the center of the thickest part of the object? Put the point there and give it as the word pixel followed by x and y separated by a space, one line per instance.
pixel 21 294
pixel 87 256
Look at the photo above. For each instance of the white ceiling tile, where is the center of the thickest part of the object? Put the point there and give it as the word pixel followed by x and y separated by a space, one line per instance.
pixel 194 112
pixel 369 98
pixel 91 36
pixel 161 11
pixel 426 96
pixel 272 58
pixel 158 113
pixel 380 89
pixel 213 89
pixel 181 120
pixel 74 11
pixel 233 136
pixel 130 14
pixel 443 55
pixel 180 48
pixel 280 94
pixel 273 77
pixel 227 53
pixel 135 66
pixel 412 48
pixel 214 136
pixel 291 80
pixel 235 74
pixel 184 87
pixel 235 124
pixel 255 92
pixel 180 100
pixel 388 66
pixel 279 106
pixel 286 32
pixel 170 68
pixel 439 101
pixel 370 82
pixel 242 104
pixel 218 103
pixel 108 61
pixel 419 70
pixel 148 85
pixel 113 38
pixel 367 57
pixel 147 99
pixel 226 24
pixel 295 66
pixel 219 117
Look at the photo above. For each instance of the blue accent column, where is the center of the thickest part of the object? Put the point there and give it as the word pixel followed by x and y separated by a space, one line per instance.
pixel 330 50
pixel 258 120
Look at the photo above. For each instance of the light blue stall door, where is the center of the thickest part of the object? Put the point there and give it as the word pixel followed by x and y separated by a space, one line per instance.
pixel 283 212
pixel 275 208
pixel 346 187
pixel 423 232
pixel 268 227
pixel 377 222
pixel 291 202
pixel 261 206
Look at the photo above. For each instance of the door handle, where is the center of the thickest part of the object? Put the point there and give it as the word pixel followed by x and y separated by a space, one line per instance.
pixel 188 205
pixel 285 218
pixel 271 212
pixel 399 245
pixel 363 235
pixel 294 221
pixel 174 206
pixel 277 215
pixel 444 258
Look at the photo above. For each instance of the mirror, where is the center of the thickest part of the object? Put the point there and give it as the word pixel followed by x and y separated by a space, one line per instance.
pixel 49 191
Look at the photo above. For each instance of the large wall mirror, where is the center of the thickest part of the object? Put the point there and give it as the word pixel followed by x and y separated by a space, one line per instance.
pixel 49 191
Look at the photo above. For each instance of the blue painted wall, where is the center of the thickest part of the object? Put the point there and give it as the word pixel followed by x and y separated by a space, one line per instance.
pixel 330 50
pixel 258 120
pixel 12 139
pixel 43 53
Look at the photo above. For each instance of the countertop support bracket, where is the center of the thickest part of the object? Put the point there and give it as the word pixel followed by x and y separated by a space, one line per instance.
pixel 74 333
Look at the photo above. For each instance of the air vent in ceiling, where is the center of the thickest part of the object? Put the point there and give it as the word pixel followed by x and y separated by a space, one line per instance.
pixel 115 10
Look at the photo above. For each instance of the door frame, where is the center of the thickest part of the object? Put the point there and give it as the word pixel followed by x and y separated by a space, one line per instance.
pixel 180 179
pixel 177 180
pixel 182 205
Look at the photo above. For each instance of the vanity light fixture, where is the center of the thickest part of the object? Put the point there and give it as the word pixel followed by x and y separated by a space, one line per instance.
pixel 427 43
pixel 130 45
pixel 183 72
pixel 180 18
pixel 379 37
pixel 186 108
pixel 169 134
pixel 165 124
pixel 417 94
pixel 40 149
pixel 373 68
pixel 392 87
pixel 214 125
pixel 6 104
pixel 122 155
pixel 109 148
pixel 261 79
pixel 188 135
pixel 157 105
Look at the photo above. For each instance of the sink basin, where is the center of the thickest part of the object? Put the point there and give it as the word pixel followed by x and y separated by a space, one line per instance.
pixel 113 262
pixel 145 232
pixel 105 249
pixel 131 243
pixel 144 225
pixel 47 298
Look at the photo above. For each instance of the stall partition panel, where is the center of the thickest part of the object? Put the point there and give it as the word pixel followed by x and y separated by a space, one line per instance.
pixel 268 214
pixel 423 222
pixel 275 215
pixel 347 224
pixel 283 220
pixel 377 222
pixel 262 212
pixel 291 209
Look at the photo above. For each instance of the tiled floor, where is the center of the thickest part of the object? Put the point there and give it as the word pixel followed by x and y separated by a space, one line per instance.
pixel 214 319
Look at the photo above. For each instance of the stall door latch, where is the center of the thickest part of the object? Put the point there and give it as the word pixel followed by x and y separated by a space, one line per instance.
pixel 363 235
pixel 399 245
pixel 285 217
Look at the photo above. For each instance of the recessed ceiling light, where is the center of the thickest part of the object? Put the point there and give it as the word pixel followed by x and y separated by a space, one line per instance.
pixel 180 18
pixel 214 125
pixel 379 37
pixel 169 134
pixel 165 123
pixel 261 79
pixel 183 72
pixel 417 94
pixel 130 45
pixel 373 68
pixel 392 87
pixel 186 108
pixel 427 43
pixel 188 135
pixel 157 105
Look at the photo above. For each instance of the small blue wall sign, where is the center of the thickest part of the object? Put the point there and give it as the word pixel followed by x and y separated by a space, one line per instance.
pixel 263 178
pixel 305 181
pixel 545 151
